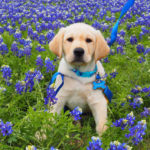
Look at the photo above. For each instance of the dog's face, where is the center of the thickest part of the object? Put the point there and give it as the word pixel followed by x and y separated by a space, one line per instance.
pixel 79 43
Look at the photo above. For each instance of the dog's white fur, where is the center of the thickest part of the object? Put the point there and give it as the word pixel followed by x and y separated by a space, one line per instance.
pixel 78 91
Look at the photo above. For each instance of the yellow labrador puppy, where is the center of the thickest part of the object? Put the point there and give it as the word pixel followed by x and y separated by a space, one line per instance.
pixel 80 47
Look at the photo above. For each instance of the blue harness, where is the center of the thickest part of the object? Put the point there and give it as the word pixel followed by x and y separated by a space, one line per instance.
pixel 98 84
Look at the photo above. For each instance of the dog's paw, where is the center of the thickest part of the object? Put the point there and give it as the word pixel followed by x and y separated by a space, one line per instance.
pixel 101 128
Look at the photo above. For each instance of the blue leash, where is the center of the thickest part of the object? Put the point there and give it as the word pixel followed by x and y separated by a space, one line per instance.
pixel 126 7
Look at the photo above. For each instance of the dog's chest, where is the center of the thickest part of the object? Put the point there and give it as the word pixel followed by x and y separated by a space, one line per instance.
pixel 76 93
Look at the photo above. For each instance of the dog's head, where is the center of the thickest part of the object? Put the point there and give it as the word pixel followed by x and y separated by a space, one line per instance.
pixel 80 44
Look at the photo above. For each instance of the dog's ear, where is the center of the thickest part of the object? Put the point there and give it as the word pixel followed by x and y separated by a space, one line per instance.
pixel 56 45
pixel 102 49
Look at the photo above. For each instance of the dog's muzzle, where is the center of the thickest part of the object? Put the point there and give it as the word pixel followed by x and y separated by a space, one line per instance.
pixel 78 54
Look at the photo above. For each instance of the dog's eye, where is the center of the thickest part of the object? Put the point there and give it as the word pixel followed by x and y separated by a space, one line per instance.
pixel 88 40
pixel 70 39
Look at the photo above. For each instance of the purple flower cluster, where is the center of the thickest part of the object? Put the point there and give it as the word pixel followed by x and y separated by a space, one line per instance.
pixel 28 82
pixel 49 65
pixel 138 89
pixel 113 74
pixel 39 61
pixel 6 128
pixel 51 97
pixel 137 132
pixel 137 101
pixel 7 72
pixel 146 112
pixel 119 146
pixel 76 113
pixel 95 144
pixel 123 122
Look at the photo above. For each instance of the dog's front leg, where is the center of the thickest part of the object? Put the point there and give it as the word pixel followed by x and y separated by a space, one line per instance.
pixel 98 106
pixel 56 108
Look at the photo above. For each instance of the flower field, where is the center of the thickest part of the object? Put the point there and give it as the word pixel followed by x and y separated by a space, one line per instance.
pixel 27 65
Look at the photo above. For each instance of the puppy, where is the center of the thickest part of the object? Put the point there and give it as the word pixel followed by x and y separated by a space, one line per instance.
pixel 80 47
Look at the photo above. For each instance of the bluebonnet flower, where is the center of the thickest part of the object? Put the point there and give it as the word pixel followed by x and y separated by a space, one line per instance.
pixel 121 41
pixel 31 147
pixel 137 101
pixel 51 96
pixel 76 113
pixel 52 148
pixel 105 60
pixel 29 79
pixel 2 89
pixel 146 112
pixel 17 34
pixel 1 30
pixel 20 86
pixel 113 74
pixel 122 33
pixel 133 40
pixel 23 27
pixel 6 129
pixel 137 132
pixel 123 122
pixel 39 61
pixel 1 39
pixel 119 146
pixel 40 48
pixel 146 90
pixel 14 47
pixel 28 82
pixel 140 48
pixel 49 65
pixel 141 59
pixel 136 90
pixel 95 144
pixel 50 36
pixel 3 48
pixel 120 50
pixel 6 70
pixel 27 50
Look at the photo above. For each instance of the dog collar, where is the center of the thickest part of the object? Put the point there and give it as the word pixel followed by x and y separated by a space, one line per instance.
pixel 86 74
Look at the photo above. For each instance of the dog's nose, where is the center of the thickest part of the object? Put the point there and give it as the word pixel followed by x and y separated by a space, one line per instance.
pixel 79 52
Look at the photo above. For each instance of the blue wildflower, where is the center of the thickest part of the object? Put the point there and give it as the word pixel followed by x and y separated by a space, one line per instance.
pixel 3 48
pixel 141 59
pixel 29 79
pixel 20 86
pixel 95 144
pixel 146 112
pixel 52 148
pixel 137 101
pixel 133 40
pixel 51 96
pixel 140 48
pixel 49 65
pixel 76 113
pixel 6 70
pixel 14 47
pixel 137 132
pixel 6 129
pixel 39 61
pixel 119 146
pixel 40 48
pixel 113 74
pixel 123 122
pixel 136 90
